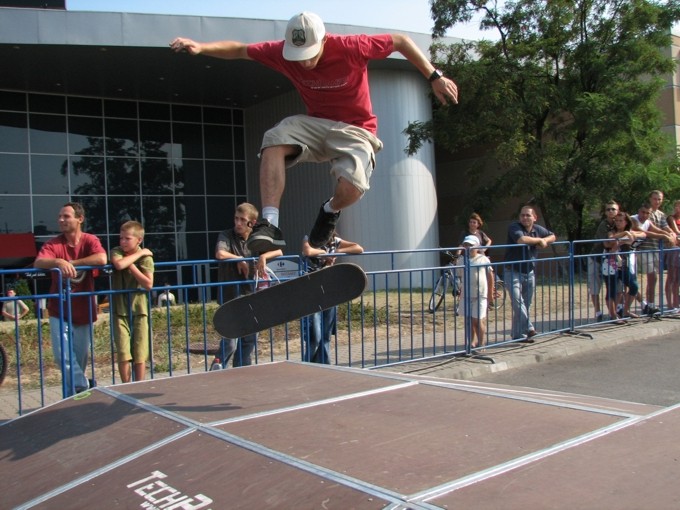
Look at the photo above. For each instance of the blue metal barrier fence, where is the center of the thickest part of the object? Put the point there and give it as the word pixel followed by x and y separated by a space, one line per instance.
pixel 402 316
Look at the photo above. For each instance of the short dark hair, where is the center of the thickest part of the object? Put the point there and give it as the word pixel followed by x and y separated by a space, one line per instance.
pixel 78 209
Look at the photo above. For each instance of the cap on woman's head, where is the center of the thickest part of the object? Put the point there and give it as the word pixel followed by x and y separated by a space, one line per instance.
pixel 304 36
pixel 471 240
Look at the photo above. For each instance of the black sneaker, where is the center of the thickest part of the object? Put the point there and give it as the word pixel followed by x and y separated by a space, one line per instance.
pixel 264 237
pixel 323 229
pixel 650 310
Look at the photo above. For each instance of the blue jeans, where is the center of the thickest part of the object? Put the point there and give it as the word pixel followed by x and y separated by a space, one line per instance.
pixel 241 349
pixel 522 293
pixel 321 326
pixel 628 280
pixel 78 341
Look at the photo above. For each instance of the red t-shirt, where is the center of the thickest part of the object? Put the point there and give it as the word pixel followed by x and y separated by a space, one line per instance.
pixel 337 88
pixel 58 248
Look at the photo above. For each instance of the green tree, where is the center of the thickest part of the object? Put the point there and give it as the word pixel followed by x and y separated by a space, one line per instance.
pixel 565 99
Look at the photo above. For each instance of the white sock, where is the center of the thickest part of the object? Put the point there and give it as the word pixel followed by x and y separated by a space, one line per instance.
pixel 327 207
pixel 271 214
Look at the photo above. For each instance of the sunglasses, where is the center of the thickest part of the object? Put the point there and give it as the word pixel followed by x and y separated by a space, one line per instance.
pixel 611 209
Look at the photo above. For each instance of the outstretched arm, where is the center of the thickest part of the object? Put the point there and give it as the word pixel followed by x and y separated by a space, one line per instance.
pixel 444 88
pixel 228 50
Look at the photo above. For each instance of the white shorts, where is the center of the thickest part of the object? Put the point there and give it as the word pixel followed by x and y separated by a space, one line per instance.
pixel 350 149
pixel 479 307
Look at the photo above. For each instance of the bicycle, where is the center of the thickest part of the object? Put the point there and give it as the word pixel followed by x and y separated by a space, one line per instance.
pixel 449 278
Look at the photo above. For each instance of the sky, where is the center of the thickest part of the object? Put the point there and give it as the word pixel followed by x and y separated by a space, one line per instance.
pixel 407 15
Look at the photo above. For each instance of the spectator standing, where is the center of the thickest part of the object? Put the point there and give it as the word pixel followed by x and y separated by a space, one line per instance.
pixel 323 324
pixel 653 223
pixel 481 290
pixel 672 260
pixel 231 245
pixel 134 270
pixel 606 226
pixel 14 310
pixel 619 266
pixel 528 237
pixel 474 227
pixel 66 252
pixel 330 72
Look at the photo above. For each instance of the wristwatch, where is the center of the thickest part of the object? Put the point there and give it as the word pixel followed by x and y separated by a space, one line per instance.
pixel 436 74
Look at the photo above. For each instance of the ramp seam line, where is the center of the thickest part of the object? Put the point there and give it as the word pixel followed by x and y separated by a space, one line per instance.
pixel 316 403
pixel 534 400
pixel 525 460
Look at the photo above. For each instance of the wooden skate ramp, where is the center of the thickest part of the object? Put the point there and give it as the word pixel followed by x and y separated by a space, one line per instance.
pixel 293 435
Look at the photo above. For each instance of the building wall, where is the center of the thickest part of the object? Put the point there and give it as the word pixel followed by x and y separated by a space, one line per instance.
pixel 179 169
pixel 199 181
pixel 670 95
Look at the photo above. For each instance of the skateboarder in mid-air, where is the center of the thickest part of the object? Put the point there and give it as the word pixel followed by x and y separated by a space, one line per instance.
pixel 330 73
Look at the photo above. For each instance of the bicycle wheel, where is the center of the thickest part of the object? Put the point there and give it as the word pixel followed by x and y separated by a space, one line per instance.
pixel 438 293
pixel 499 298
pixel 3 363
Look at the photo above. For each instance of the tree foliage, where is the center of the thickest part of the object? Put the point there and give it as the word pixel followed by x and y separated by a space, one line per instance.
pixel 566 98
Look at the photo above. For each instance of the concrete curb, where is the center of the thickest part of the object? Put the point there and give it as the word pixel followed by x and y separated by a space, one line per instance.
pixel 546 347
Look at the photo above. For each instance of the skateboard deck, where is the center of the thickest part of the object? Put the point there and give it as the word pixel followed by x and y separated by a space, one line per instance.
pixel 289 300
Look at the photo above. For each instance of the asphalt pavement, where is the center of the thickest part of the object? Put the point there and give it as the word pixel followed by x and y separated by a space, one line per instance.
pixel 643 371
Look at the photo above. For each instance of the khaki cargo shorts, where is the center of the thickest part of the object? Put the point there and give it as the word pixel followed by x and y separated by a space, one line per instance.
pixel 349 149
pixel 648 262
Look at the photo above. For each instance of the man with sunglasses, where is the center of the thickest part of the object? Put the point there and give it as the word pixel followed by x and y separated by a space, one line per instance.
pixel 330 72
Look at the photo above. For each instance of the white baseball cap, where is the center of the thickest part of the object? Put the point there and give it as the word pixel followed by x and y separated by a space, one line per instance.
pixel 471 240
pixel 304 36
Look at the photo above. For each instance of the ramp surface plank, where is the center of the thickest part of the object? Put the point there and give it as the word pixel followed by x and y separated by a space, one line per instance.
pixel 295 435
pixel 202 470
pixel 408 439
pixel 51 447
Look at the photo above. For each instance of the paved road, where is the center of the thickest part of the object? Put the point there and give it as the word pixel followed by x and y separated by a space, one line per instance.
pixel 644 371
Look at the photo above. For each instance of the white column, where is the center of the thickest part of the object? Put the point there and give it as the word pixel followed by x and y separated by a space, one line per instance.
pixel 399 212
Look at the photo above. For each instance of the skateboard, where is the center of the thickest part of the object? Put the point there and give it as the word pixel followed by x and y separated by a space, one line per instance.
pixel 289 300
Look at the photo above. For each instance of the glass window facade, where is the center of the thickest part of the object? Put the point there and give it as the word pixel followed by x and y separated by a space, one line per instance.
pixel 178 169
